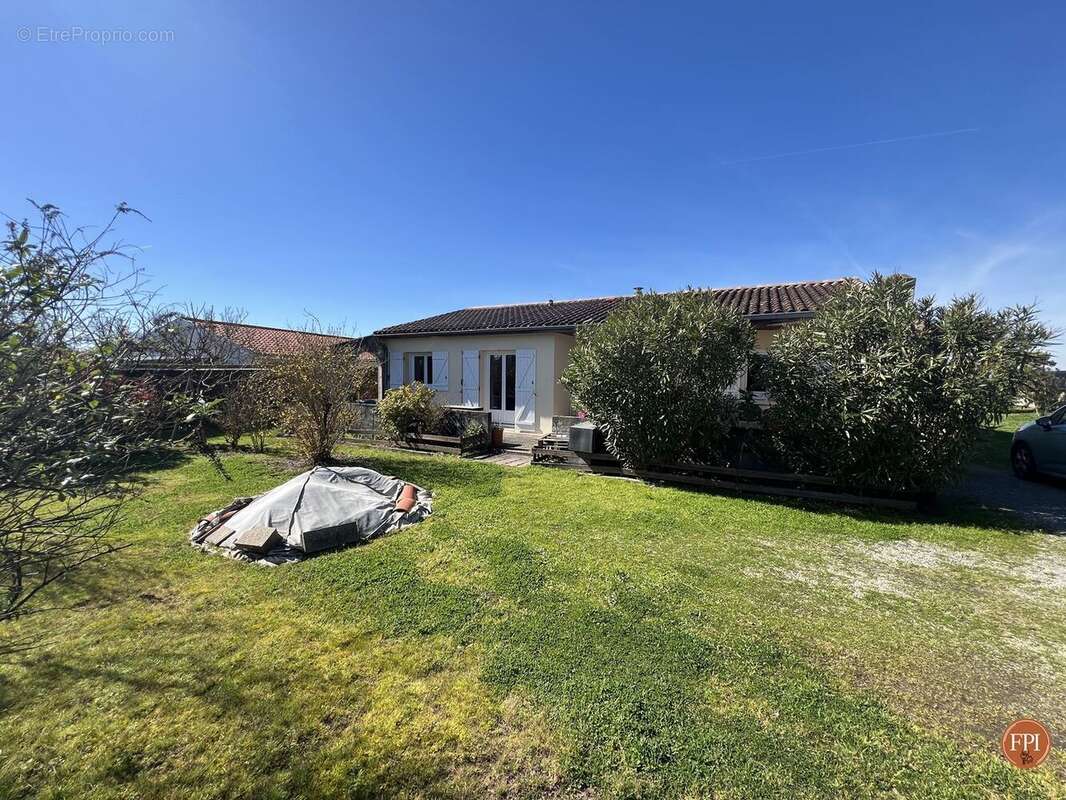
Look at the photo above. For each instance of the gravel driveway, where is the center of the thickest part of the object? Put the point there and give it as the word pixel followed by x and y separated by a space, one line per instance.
pixel 1041 503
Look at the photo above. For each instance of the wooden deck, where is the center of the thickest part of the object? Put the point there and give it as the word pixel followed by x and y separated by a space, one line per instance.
pixel 517 450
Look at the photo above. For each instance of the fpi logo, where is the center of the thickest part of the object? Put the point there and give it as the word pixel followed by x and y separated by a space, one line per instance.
pixel 1026 743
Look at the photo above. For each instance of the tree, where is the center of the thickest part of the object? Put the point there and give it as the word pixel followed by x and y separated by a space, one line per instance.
pixel 313 390
pixel 72 423
pixel 655 374
pixel 886 391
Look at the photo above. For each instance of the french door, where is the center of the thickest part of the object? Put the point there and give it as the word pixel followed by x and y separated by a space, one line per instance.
pixel 502 387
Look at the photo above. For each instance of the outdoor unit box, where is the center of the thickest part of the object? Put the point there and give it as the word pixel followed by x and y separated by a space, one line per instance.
pixel 585 437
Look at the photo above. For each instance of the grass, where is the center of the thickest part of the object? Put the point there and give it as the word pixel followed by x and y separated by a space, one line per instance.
pixel 546 634
pixel 993 446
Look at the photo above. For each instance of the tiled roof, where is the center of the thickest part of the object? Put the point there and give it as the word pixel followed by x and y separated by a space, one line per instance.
pixel 786 299
pixel 265 341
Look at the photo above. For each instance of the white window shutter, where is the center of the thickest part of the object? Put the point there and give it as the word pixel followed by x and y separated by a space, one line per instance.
pixel 440 370
pixel 471 378
pixel 395 370
pixel 525 387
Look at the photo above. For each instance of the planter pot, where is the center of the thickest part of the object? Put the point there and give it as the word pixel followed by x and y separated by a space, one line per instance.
pixel 497 438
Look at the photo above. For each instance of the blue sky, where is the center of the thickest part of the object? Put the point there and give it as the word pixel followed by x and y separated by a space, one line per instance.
pixel 378 162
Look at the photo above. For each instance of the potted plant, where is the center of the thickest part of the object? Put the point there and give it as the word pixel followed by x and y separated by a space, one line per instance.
pixel 497 437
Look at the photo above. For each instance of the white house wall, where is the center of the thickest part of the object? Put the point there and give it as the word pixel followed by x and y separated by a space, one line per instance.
pixel 563 343
pixel 550 395
pixel 763 338
pixel 553 353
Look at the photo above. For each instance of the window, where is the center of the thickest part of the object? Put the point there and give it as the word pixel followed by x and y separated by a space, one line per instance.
pixel 758 380
pixel 495 382
pixel 422 368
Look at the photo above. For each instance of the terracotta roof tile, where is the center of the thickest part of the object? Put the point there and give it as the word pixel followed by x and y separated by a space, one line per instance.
pixel 266 341
pixel 790 299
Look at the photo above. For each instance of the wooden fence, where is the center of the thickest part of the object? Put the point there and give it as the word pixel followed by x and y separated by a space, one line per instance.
pixel 554 451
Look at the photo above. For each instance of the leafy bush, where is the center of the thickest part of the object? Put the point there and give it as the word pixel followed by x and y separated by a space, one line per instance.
pixel 1039 389
pixel 887 391
pixel 408 409
pixel 475 434
pixel 654 375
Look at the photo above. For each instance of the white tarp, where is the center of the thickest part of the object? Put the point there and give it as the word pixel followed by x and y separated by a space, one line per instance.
pixel 323 508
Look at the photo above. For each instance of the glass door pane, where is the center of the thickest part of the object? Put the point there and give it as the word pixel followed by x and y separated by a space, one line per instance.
pixel 510 381
pixel 495 382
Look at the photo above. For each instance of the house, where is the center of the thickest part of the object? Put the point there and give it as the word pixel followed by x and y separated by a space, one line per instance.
pixel 240 344
pixel 184 344
pixel 508 359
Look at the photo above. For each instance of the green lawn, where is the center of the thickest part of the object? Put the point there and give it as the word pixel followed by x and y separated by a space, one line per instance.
pixel 993 446
pixel 546 634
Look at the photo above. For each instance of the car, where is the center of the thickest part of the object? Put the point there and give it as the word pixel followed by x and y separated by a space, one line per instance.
pixel 1039 448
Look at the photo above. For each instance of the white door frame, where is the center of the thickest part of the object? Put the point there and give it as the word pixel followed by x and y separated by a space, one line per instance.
pixel 500 416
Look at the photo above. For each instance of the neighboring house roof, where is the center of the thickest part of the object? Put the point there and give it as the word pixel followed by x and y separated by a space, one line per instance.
pixel 768 303
pixel 265 341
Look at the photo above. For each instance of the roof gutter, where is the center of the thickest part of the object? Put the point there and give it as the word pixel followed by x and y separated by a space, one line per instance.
pixel 770 319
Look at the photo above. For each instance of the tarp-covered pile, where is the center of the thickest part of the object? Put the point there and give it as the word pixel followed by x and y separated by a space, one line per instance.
pixel 323 508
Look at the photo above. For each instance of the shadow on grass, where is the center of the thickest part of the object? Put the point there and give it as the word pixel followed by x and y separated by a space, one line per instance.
pixel 485 479
pixel 161 458
pixel 992 449
pixel 429 471
pixel 947 509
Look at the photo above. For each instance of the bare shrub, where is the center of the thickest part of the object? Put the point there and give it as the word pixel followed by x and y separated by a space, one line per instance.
pixel 262 410
pixel 366 384
pixel 235 414
pixel 313 390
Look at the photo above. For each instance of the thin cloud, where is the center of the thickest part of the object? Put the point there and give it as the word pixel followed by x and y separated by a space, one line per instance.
pixel 916 137
pixel 1006 267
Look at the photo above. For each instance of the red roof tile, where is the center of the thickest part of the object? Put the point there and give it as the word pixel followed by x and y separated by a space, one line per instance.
pixel 266 341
